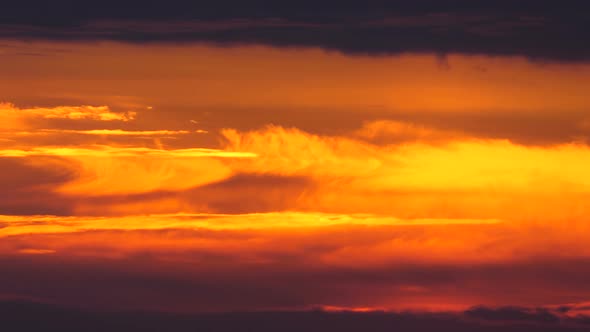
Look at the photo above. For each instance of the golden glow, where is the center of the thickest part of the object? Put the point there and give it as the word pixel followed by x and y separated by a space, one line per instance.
pixel 266 159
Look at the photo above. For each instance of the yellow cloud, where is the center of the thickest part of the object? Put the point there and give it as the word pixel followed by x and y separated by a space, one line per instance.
pixel 120 132
pixel 112 151
pixel 9 113
pixel 468 178
pixel 252 221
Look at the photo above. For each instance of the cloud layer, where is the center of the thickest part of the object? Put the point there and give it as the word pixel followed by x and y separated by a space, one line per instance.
pixel 534 29
pixel 156 176
pixel 27 316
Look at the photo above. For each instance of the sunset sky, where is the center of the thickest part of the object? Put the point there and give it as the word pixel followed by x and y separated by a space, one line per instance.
pixel 191 158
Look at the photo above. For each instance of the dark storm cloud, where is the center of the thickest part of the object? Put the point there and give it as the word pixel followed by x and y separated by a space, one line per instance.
pixel 536 29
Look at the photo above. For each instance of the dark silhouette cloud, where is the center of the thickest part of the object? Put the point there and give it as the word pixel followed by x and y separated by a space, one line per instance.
pixel 31 316
pixel 514 314
pixel 535 29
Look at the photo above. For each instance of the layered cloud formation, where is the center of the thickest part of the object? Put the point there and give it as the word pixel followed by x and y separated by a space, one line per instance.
pixel 192 178
pixel 390 223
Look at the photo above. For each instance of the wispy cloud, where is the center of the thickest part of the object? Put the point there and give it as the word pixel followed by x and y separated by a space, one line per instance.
pixel 9 112
pixel 112 151
pixel 121 132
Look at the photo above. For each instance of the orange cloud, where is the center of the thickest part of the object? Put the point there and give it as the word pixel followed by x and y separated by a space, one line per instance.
pixel 36 251
pixel 388 132
pixel 436 174
pixel 386 193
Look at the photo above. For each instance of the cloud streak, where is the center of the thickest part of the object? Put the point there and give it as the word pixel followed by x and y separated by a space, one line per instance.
pixel 12 114
pixel 120 132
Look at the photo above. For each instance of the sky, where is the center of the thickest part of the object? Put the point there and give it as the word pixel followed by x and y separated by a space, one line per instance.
pixel 394 163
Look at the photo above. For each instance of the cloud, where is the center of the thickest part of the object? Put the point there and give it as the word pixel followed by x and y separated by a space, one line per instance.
pixel 257 261
pixel 383 132
pixel 513 314
pixel 463 177
pixel 28 185
pixel 389 168
pixel 12 115
pixel 251 193
pixel 36 251
pixel 203 280
pixel 100 169
pixel 31 224
pixel 113 151
pixel 17 123
pixel 120 132
pixel 319 92
pixel 288 151
pixel 421 173
pixel 482 27
pixel 276 207
pixel 28 315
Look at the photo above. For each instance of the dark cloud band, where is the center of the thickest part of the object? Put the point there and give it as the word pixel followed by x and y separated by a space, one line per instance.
pixel 536 29
pixel 29 316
